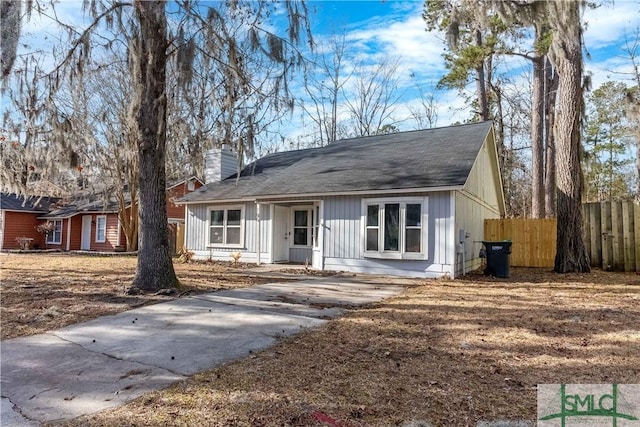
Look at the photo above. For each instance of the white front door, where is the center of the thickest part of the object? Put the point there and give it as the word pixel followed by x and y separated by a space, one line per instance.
pixel 281 233
pixel 85 238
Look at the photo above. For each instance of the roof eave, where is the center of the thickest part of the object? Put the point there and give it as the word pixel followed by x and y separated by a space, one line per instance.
pixel 268 197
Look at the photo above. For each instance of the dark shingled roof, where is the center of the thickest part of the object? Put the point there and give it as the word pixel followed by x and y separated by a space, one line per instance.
pixel 440 157
pixel 13 202
pixel 85 203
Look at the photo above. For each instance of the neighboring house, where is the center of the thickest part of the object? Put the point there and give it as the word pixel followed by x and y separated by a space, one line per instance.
pixel 410 204
pixel 89 222
pixel 19 219
pixel 175 213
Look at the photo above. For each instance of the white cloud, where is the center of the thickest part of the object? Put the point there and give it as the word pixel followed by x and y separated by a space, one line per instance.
pixel 608 24
pixel 403 36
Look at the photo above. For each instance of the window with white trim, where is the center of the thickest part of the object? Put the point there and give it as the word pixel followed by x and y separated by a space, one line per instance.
pixel 226 226
pixel 303 226
pixel 55 236
pixel 395 228
pixel 101 229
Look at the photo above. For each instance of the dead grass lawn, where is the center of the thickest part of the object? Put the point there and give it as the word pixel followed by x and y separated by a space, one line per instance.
pixel 447 352
pixel 41 292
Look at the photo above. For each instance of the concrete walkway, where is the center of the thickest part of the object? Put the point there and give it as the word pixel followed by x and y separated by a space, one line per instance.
pixel 106 362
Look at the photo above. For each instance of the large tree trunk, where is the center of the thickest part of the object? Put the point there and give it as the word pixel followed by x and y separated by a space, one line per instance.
pixel 155 267
pixel 551 88
pixel 571 255
pixel 537 138
pixel 10 33
pixel 481 83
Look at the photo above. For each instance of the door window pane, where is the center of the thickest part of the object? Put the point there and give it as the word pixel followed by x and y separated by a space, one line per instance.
pixel 391 226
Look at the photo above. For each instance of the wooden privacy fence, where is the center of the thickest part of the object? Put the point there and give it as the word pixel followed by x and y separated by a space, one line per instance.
pixel 533 240
pixel 611 236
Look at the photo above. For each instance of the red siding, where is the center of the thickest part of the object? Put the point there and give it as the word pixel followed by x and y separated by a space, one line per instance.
pixel 21 224
pixel 173 211
pixel 111 236
pixel 111 233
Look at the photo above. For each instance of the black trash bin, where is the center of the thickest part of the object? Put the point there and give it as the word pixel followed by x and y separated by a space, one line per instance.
pixel 497 258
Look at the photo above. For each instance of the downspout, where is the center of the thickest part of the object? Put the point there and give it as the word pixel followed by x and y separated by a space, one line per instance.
pixel 2 231
pixel 69 233
pixel 452 231
pixel 186 222
pixel 259 229
pixel 119 237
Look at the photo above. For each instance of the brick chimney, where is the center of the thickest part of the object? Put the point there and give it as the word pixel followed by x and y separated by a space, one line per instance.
pixel 219 164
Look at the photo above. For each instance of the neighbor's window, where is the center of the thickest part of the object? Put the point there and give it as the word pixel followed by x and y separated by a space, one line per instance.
pixel 101 229
pixel 55 237
pixel 225 226
pixel 394 228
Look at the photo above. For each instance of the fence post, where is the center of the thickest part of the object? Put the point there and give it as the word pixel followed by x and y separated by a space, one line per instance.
pixel 636 226
pixel 607 235
pixel 596 235
pixel 618 236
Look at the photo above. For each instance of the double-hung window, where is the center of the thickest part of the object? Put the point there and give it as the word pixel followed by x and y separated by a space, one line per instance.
pixel 304 226
pixel 226 226
pixel 101 229
pixel 55 236
pixel 395 228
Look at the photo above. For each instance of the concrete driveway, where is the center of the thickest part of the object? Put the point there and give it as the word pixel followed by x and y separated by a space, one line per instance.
pixel 108 361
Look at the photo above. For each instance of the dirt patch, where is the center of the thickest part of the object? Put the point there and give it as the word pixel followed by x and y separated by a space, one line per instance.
pixel 41 292
pixel 450 353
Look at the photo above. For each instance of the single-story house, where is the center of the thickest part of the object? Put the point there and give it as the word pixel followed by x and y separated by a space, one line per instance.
pixel 409 203
pixel 19 219
pixel 87 221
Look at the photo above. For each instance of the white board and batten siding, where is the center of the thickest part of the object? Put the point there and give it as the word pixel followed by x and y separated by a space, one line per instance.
pixel 197 234
pixel 479 199
pixel 343 238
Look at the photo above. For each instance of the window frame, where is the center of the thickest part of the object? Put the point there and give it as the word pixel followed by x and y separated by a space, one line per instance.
pixel 401 253
pixel 225 226
pixel 309 227
pixel 98 218
pixel 53 233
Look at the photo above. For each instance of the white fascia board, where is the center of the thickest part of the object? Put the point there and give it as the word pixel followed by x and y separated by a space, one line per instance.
pixel 276 197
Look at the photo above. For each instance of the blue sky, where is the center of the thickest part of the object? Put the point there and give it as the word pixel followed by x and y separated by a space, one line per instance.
pixel 396 28
pixel 376 30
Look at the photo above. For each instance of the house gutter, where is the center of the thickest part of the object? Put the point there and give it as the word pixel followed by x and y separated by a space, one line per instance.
pixel 68 234
pixel 274 197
